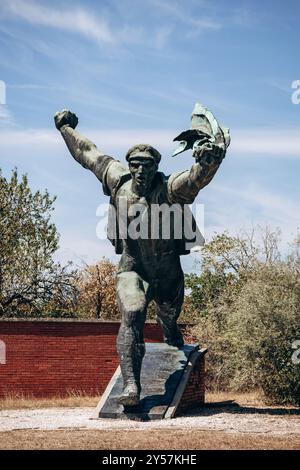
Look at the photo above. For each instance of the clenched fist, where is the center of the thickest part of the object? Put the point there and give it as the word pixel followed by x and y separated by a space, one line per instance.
pixel 207 152
pixel 65 118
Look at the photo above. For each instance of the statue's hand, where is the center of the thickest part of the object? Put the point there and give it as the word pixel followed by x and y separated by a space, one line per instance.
pixel 207 152
pixel 65 118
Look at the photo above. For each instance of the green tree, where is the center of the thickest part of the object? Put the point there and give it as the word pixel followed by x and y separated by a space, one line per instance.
pixel 31 283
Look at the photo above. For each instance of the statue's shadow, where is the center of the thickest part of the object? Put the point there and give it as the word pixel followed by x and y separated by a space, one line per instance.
pixel 154 406
pixel 231 406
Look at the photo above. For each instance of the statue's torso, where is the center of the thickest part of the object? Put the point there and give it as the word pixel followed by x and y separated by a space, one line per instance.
pixel 154 255
pixel 150 252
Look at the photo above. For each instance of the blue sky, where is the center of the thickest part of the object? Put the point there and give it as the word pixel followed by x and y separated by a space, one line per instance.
pixel 132 71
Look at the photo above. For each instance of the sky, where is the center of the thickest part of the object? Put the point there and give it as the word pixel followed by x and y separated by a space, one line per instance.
pixel 132 72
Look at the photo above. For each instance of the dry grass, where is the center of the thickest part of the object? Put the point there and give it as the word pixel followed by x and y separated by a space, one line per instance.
pixel 74 400
pixel 254 399
pixel 243 399
pixel 167 439
pixel 11 402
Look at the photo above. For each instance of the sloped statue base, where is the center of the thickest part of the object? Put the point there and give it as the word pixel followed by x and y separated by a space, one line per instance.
pixel 172 381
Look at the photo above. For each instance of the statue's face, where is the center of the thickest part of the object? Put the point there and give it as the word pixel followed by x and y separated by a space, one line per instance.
pixel 142 172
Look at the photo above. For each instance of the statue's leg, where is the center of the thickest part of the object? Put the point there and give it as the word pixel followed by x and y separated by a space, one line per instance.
pixel 132 301
pixel 169 300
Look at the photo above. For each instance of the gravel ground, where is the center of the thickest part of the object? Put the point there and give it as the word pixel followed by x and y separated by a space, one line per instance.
pixel 243 420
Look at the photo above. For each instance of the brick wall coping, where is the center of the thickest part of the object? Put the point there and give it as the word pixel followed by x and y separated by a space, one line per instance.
pixel 75 320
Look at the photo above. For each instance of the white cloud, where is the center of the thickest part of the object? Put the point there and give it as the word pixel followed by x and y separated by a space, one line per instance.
pixel 198 22
pixel 271 143
pixel 268 142
pixel 242 208
pixel 276 207
pixel 161 36
pixel 6 118
pixel 75 20
pixel 81 250
pixel 37 138
pixel 81 21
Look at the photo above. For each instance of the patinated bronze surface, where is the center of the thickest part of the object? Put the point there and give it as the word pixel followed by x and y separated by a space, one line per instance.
pixel 149 267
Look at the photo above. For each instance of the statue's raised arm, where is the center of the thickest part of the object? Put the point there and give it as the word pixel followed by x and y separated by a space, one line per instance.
pixel 107 169
pixel 209 142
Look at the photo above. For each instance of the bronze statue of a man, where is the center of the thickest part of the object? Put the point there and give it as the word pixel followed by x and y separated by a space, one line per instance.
pixel 149 268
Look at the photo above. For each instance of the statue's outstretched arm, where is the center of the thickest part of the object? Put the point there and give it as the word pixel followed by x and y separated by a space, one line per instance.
pixel 209 142
pixel 86 153
pixel 184 186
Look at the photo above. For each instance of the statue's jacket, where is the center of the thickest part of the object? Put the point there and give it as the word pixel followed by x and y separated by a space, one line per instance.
pixel 116 181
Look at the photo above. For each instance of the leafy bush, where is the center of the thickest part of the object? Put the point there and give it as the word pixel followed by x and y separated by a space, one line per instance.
pixel 251 320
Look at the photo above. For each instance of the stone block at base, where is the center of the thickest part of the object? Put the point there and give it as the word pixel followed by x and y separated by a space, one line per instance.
pixel 173 380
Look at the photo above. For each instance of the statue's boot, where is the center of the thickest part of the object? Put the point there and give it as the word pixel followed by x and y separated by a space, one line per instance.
pixel 174 337
pixel 130 395
pixel 131 354
pixel 171 331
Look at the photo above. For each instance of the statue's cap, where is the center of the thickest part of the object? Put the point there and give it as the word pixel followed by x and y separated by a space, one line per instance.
pixel 143 151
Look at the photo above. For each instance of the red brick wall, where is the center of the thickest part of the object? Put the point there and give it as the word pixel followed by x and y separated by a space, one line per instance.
pixel 194 394
pixel 56 357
